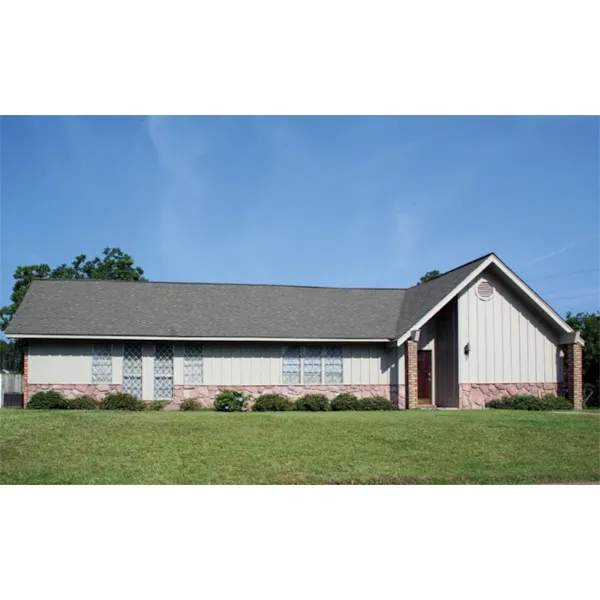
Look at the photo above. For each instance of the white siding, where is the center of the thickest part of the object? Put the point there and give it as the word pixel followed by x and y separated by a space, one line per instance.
pixel 366 364
pixel 60 362
pixel 224 364
pixel 509 341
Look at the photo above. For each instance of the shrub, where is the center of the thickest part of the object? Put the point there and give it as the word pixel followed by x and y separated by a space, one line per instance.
pixel 155 404
pixel 376 403
pixel 312 402
pixel 547 402
pixel 49 400
pixel 121 401
pixel 83 403
pixel 346 402
pixel 190 404
pixel 273 402
pixel 230 401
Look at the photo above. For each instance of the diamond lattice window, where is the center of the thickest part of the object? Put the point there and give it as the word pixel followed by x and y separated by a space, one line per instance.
pixel 313 368
pixel 334 365
pixel 163 372
pixel 193 367
pixel 291 365
pixel 132 369
pixel 102 363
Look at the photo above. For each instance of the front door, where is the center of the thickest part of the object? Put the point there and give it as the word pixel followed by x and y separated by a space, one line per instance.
pixel 424 376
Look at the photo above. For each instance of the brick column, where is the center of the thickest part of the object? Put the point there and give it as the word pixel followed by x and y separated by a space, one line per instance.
pixel 25 373
pixel 412 376
pixel 574 374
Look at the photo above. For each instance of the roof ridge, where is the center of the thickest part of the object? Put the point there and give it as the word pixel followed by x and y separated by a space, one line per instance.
pixel 319 287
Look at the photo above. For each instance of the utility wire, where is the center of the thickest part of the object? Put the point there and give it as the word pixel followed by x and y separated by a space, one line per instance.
pixel 564 274
pixel 572 297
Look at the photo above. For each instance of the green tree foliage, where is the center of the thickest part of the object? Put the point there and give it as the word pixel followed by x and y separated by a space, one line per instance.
pixel 114 264
pixel 589 326
pixel 429 275
pixel 11 357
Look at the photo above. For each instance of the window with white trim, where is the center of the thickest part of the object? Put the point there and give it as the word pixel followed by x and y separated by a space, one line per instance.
pixel 163 372
pixel 193 364
pixel 132 369
pixel 334 365
pixel 312 365
pixel 102 363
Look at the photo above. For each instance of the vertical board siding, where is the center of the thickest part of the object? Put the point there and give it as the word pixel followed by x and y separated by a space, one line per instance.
pixel 224 364
pixel 60 362
pixel 509 341
pixel 447 357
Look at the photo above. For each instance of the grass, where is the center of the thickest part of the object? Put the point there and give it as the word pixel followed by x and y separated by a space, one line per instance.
pixel 441 447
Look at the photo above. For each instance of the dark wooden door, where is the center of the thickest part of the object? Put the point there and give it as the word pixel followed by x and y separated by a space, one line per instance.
pixel 424 375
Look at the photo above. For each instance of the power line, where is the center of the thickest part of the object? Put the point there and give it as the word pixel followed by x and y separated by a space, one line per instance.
pixel 565 274
pixel 572 297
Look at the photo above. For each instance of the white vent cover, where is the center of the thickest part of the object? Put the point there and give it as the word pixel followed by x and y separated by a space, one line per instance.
pixel 484 290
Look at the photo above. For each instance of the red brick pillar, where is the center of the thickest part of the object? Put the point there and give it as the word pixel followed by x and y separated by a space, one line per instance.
pixel 574 374
pixel 412 376
pixel 25 374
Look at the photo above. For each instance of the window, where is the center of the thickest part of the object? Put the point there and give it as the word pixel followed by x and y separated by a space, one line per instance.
pixel 132 369
pixel 291 365
pixel 102 363
pixel 334 365
pixel 163 372
pixel 313 369
pixel 312 365
pixel 193 367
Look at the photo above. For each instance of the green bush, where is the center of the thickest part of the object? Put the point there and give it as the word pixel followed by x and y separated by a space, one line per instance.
pixel 313 402
pixel 272 403
pixel 190 404
pixel 50 400
pixel 231 401
pixel 83 403
pixel 547 402
pixel 376 403
pixel 121 401
pixel 345 402
pixel 155 404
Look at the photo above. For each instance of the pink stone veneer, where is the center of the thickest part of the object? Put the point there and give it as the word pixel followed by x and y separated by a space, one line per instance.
pixel 477 395
pixel 74 390
pixel 205 394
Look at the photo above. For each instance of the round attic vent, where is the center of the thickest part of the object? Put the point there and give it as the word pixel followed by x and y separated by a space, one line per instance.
pixel 484 290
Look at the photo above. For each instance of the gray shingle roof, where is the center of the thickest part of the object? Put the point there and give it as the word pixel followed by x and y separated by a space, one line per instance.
pixel 130 308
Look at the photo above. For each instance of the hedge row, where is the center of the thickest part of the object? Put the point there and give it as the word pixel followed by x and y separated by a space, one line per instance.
pixel 226 401
pixel 547 402
pixel 52 400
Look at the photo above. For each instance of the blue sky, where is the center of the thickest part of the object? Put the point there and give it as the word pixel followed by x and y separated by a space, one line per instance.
pixel 357 201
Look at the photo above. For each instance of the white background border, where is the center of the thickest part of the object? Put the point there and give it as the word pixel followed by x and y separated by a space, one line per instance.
pixel 299 58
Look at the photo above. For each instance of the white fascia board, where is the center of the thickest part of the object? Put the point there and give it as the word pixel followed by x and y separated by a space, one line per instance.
pixel 493 259
pixel 22 336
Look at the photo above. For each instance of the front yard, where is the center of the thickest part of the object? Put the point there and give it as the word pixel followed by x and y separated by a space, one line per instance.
pixel 102 447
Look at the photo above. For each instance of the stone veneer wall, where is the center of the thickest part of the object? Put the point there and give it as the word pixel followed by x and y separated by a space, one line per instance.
pixel 74 390
pixel 477 395
pixel 205 394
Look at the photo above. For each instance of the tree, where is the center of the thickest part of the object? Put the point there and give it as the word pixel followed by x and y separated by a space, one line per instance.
pixel 114 264
pixel 11 357
pixel 429 275
pixel 589 326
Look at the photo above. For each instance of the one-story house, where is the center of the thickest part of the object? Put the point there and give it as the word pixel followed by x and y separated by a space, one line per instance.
pixel 472 334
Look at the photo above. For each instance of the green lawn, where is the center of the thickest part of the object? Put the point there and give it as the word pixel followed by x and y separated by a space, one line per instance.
pixel 98 447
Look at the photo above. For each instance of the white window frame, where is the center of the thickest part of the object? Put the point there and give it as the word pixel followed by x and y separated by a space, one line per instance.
pixel 94 356
pixel 187 364
pixel 161 376
pixel 138 375
pixel 323 350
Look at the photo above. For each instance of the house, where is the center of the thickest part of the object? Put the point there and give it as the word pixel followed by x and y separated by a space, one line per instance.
pixel 475 333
